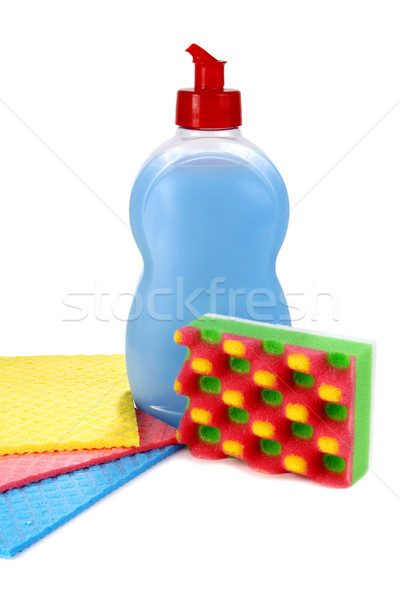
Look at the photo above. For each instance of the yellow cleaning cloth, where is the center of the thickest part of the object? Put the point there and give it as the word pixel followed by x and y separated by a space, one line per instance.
pixel 65 403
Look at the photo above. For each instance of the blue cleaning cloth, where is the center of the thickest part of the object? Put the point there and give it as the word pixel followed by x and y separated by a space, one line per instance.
pixel 29 513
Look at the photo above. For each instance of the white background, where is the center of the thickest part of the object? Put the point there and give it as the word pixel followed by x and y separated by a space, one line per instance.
pixel 87 91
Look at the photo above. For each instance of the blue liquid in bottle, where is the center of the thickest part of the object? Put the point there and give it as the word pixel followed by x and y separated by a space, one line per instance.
pixel 209 213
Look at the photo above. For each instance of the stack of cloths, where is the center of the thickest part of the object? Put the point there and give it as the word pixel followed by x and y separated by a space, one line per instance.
pixel 69 435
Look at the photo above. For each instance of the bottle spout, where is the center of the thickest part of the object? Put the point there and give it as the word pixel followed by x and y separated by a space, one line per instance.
pixel 208 105
pixel 199 54
pixel 208 71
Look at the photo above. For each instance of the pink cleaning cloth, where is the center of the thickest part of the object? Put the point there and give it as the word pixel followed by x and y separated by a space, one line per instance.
pixel 17 470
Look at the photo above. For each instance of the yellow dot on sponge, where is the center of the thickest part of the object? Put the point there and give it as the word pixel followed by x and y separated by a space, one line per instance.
pixel 178 436
pixel 201 365
pixel 297 412
pixel 234 347
pixel 330 393
pixel 177 386
pixel 233 398
pixel 201 416
pixel 177 336
pixel 263 429
pixel 265 378
pixel 233 448
pixel 294 463
pixel 329 445
pixel 299 362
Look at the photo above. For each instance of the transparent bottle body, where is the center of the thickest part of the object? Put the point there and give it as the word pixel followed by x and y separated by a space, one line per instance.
pixel 209 212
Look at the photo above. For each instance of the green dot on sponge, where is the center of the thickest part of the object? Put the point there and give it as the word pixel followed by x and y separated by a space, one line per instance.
pixel 337 464
pixel 273 397
pixel 273 347
pixel 304 380
pixel 210 384
pixel 338 360
pixel 238 415
pixel 187 402
pixel 187 354
pixel 240 365
pixel 270 447
pixel 337 412
pixel 211 336
pixel 302 430
pixel 209 434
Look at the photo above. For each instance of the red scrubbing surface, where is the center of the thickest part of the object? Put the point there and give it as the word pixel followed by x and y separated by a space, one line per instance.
pixel 17 470
pixel 277 405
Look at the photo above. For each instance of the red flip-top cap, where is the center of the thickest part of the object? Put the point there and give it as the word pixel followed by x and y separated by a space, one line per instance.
pixel 208 105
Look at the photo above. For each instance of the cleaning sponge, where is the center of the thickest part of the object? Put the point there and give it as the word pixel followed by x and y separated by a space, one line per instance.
pixel 279 399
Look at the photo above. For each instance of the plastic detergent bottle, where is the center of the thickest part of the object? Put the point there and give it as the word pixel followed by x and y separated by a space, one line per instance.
pixel 209 212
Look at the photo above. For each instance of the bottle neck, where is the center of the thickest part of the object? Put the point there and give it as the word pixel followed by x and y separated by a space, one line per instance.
pixel 232 133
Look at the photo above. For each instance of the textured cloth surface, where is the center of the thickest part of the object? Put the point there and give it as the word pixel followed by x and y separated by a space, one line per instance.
pixel 20 469
pixel 65 403
pixel 31 512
